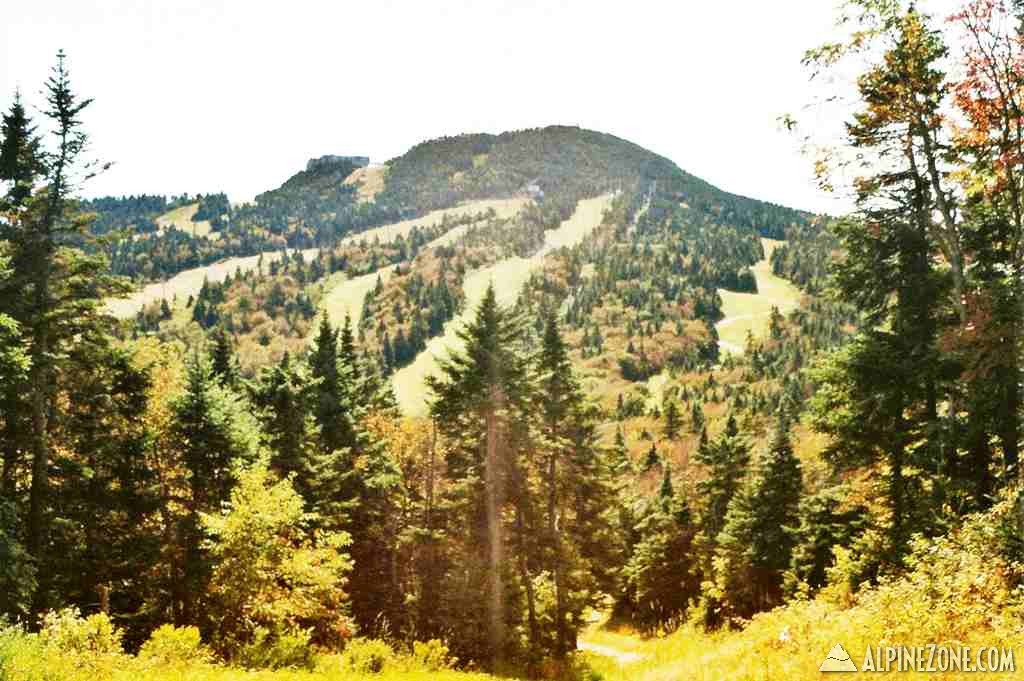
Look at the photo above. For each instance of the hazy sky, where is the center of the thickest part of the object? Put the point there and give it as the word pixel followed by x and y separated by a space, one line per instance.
pixel 236 95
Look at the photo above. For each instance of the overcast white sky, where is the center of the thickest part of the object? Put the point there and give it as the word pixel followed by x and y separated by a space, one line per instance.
pixel 236 95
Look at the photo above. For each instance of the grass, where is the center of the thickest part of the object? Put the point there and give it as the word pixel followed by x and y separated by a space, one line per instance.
pixel 346 295
pixel 369 181
pixel 750 312
pixel 181 218
pixel 509 276
pixel 190 281
pixel 505 208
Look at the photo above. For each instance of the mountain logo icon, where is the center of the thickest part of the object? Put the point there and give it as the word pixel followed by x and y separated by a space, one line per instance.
pixel 838 660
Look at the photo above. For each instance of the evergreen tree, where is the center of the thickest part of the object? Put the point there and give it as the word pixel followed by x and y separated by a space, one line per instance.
pixel 55 293
pixel 222 357
pixel 333 407
pixel 21 157
pixel 755 546
pixel 480 405
pixel 578 495
pixel 285 396
pixel 672 420
pixel 663 575
pixel 216 434
pixel 726 461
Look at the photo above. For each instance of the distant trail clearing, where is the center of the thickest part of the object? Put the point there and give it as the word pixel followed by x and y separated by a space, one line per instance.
pixel 181 218
pixel 347 295
pixel 752 311
pixel 510 275
pixel 189 282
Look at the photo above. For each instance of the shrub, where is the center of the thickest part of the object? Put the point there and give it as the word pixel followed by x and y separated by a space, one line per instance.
pixel 275 650
pixel 273 573
pixel 431 656
pixel 170 645
pixel 67 632
pixel 367 656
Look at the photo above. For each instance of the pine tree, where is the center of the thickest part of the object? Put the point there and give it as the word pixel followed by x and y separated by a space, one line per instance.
pixel 216 433
pixel 479 402
pixel 17 572
pixel 755 546
pixel 620 461
pixel 696 418
pixel 652 459
pixel 333 410
pixel 662 576
pixel 726 460
pixel 579 490
pixel 21 158
pixel 55 293
pixel 223 360
pixel 347 349
pixel 285 396
pixel 672 420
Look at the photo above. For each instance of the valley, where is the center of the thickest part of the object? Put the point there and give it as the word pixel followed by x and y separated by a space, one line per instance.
pixel 536 404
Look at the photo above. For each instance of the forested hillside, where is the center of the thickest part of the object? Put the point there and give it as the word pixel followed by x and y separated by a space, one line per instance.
pixel 593 484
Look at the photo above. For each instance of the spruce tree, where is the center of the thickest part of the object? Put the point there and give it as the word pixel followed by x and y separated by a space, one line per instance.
pixel 286 396
pixel 480 402
pixel 755 546
pixel 55 293
pixel 222 357
pixel 215 434
pixel 672 420
pixel 21 158
pixel 579 490
pixel 726 461
pixel 333 405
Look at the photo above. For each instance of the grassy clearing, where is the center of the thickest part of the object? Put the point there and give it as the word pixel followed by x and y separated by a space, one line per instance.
pixel 346 295
pixel 505 208
pixel 750 312
pixel 369 181
pixel 509 276
pixel 188 283
pixel 958 592
pixel 181 218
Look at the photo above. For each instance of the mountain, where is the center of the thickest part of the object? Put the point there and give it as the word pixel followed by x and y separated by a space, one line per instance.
pixel 668 243
pixel 316 207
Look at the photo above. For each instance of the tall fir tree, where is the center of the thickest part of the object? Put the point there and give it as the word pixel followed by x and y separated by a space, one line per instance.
pixel 480 404
pixel 755 546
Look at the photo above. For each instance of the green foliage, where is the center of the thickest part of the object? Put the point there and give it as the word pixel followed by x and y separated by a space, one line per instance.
pixel 67 631
pixel 273 579
pixel 431 656
pixel 367 656
pixel 171 646
pixel 756 543
pixel 274 648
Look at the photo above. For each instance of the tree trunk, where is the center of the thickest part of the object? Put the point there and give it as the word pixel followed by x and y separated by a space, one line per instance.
pixel 495 539
pixel 39 384
pixel 531 598
pixel 561 634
